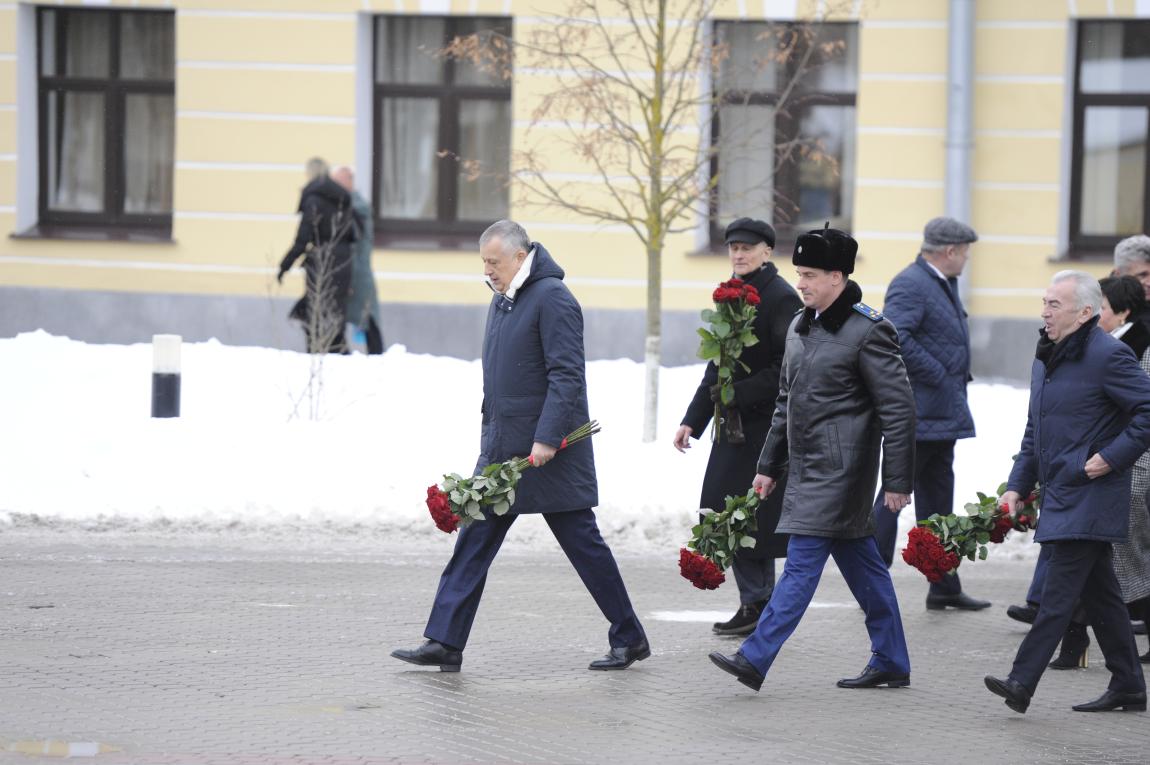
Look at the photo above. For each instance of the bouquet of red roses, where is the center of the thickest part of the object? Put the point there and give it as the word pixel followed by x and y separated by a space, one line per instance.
pixel 728 332
pixel 716 539
pixel 937 545
pixel 459 501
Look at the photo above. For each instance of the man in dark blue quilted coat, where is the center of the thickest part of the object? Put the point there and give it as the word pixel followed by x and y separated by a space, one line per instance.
pixel 923 304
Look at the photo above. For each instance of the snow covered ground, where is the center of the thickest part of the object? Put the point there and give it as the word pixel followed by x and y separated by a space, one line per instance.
pixel 79 451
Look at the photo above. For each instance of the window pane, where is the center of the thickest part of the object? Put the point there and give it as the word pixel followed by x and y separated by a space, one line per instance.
pixel 408 162
pixel 751 56
pixel 75 134
pixel 826 168
pixel 407 49
pixel 1114 170
pixel 489 31
pixel 149 137
pixel 485 153
pixel 746 162
pixel 147 46
pixel 75 43
pixel 1115 56
pixel 833 64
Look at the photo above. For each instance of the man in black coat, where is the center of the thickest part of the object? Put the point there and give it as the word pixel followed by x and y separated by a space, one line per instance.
pixel 734 455
pixel 326 231
pixel 843 399
pixel 534 394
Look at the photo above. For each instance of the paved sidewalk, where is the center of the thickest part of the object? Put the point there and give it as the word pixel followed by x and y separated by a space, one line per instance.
pixel 152 650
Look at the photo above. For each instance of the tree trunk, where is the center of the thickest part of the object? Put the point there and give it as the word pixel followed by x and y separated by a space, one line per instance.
pixel 653 351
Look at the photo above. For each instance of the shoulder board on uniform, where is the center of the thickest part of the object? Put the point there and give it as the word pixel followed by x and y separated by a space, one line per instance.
pixel 867 311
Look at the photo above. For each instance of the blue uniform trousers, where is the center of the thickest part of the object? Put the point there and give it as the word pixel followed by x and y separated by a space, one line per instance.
pixel 933 493
pixel 461 585
pixel 1081 569
pixel 869 582
pixel 1038 580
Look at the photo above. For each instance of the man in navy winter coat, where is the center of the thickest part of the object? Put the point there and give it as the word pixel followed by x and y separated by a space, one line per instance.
pixel 534 394
pixel 923 304
pixel 1089 421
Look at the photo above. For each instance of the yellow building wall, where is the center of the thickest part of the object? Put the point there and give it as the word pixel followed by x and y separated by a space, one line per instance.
pixel 261 85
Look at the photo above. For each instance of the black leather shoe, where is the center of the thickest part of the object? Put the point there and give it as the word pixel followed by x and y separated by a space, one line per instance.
pixel 873 678
pixel 1017 697
pixel 431 654
pixel 621 658
pixel 1112 700
pixel 961 601
pixel 1025 614
pixel 738 666
pixel 743 622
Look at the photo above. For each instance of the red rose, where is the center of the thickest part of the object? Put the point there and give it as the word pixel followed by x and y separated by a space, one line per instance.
pixel 700 570
pixel 753 298
pixel 439 504
pixel 736 283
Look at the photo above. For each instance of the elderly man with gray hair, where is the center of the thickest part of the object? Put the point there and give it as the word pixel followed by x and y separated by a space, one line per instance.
pixel 534 394
pixel 1132 258
pixel 1089 421
pixel 923 303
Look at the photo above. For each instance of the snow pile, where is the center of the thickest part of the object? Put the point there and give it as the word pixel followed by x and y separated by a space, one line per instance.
pixel 78 448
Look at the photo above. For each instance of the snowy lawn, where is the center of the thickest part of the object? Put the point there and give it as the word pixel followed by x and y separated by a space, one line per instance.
pixel 78 448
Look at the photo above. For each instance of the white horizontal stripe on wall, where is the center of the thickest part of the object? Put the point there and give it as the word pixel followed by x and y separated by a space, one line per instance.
pixel 258 66
pixel 258 117
pixel 238 216
pixel 284 15
pixel 900 236
pixel 560 125
pixel 1009 291
pixel 1008 239
pixel 1021 79
pixel 8 209
pixel 7 107
pixel 7 157
pixel 284 167
pixel 903 23
pixel 7 56
pixel 136 265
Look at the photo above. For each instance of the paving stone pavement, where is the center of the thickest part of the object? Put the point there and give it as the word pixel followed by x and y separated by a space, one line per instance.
pixel 149 649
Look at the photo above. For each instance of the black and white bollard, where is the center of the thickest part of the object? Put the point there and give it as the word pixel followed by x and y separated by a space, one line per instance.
pixel 166 375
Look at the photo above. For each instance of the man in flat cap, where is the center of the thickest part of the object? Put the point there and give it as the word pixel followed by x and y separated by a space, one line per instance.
pixel 923 304
pixel 843 398
pixel 731 465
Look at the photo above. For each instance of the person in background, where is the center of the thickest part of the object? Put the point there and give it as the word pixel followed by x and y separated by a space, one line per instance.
pixel 731 464
pixel 363 301
pixel 326 232
pixel 922 302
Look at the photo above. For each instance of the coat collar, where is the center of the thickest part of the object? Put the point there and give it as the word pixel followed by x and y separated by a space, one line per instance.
pixel 836 314
pixel 1071 349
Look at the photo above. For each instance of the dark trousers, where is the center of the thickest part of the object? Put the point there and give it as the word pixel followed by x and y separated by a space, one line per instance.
pixel 755 578
pixel 1081 569
pixel 461 585
pixel 866 576
pixel 933 493
pixel 1038 580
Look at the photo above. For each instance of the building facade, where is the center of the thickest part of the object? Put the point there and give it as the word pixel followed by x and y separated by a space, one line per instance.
pixel 151 157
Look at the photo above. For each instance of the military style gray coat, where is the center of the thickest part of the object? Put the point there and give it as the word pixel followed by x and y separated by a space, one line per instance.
pixel 535 389
pixel 843 397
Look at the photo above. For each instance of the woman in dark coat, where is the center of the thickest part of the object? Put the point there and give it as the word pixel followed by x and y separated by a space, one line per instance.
pixel 732 465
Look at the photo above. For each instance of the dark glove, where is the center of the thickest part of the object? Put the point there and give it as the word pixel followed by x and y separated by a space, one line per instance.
pixel 716 393
pixel 280 275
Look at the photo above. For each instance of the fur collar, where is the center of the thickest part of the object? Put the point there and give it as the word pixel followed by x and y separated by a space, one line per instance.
pixel 836 314
pixel 1071 349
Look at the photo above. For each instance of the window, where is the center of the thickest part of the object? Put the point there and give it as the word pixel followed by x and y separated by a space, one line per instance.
pixel 442 132
pixel 106 119
pixel 1110 192
pixel 785 128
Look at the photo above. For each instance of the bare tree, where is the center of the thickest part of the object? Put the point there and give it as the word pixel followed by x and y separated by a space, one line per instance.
pixel 637 88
